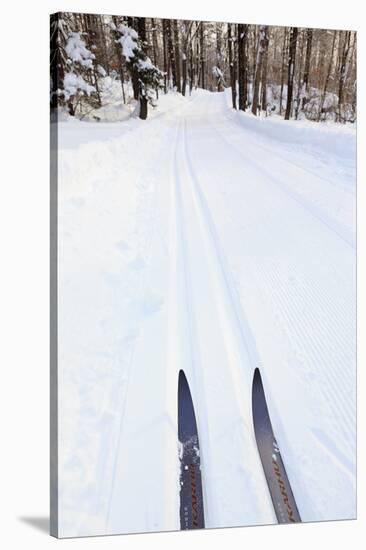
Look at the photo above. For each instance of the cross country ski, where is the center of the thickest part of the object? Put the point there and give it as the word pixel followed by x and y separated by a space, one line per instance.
pixel 191 500
pixel 278 483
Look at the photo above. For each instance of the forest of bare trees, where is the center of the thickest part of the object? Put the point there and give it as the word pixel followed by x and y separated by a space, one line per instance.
pixel 293 72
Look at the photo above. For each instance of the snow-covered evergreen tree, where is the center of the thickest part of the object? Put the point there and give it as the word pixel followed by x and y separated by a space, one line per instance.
pixel 79 64
pixel 74 62
pixel 147 76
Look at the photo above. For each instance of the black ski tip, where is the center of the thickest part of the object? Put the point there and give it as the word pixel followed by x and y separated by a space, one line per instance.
pixel 260 413
pixel 257 386
pixel 183 386
pixel 182 379
pixel 257 377
pixel 187 426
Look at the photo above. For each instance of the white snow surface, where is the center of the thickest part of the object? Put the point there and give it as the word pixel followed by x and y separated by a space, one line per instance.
pixel 216 242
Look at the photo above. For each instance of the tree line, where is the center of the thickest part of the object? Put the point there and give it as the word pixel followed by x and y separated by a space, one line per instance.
pixel 295 72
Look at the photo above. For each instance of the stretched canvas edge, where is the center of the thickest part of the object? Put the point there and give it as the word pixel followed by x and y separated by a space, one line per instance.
pixel 54 511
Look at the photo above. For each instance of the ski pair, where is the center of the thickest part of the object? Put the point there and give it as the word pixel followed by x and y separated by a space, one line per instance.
pixel 191 495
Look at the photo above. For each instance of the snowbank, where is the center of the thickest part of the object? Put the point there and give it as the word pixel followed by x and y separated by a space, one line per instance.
pixel 330 138
pixel 115 121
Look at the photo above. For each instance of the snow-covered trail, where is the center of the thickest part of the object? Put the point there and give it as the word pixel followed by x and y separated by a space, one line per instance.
pixel 208 338
pixel 217 353
pixel 291 255
pixel 242 255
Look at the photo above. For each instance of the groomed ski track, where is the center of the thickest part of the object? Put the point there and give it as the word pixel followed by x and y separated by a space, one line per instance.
pixel 251 254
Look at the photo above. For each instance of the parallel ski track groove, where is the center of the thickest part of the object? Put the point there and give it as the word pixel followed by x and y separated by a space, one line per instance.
pixel 189 316
pixel 247 339
pixel 236 331
pixel 234 325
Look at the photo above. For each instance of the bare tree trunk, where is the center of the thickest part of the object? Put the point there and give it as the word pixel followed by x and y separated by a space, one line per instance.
pixel 141 30
pixel 284 49
pixel 291 70
pixel 141 25
pixel 143 107
pixel 165 57
pixel 263 32
pixel 352 63
pixel 184 72
pixel 231 65
pixel 155 47
pixel 299 74
pixel 177 56
pixel 264 69
pixel 171 52
pixel 254 54
pixel 342 75
pixel 274 47
pixel 219 54
pixel 185 37
pixel 131 21
pixel 192 74
pixel 198 64
pixel 242 40
pixel 326 82
pixel 202 52
pixel 309 42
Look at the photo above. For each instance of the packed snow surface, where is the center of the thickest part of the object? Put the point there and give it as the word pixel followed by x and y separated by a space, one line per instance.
pixel 216 242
